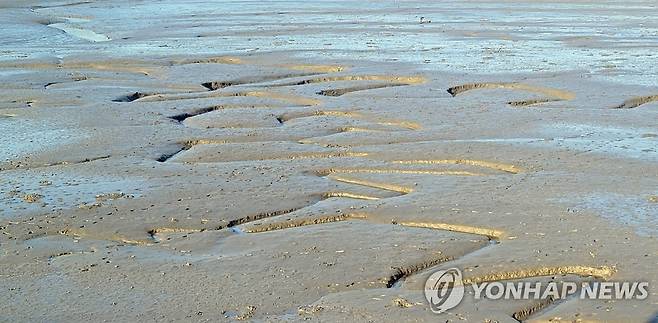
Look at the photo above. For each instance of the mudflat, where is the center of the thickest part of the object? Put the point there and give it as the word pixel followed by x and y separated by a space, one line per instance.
pixel 283 161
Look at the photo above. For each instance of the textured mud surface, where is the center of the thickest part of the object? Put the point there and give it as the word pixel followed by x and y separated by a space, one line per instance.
pixel 173 165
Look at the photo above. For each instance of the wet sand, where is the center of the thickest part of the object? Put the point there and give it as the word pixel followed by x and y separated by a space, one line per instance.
pixel 216 162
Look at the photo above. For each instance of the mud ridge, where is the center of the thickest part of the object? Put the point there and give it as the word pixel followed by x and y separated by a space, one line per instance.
pixel 603 272
pixel 182 116
pixel 153 233
pixel 330 171
pixel 406 80
pixel 133 97
pixel 161 97
pixel 508 168
pixel 350 196
pixel 554 94
pixel 216 85
pixel 492 234
pixel 299 223
pixel 382 186
pixel 350 114
pixel 260 216
pixel 343 91
pixel 311 155
pixel 636 102
pixel 230 60
pixel 527 103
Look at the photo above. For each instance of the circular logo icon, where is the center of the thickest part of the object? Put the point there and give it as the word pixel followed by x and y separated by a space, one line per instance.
pixel 444 290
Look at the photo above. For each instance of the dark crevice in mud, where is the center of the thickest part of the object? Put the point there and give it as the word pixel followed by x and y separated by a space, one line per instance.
pixel 216 85
pixel 181 117
pixel 455 90
pixel 153 233
pixel 524 313
pixel 636 102
pixel 132 97
pixel 343 91
pixel 165 157
pixel 541 307
pixel 86 160
pixel 61 254
pixel 213 86
pixel 185 115
pixel 186 145
pixel 550 93
pixel 60 5
pixel 75 79
pixel 526 103
pixel 260 216
pixel 299 223
pixel 403 272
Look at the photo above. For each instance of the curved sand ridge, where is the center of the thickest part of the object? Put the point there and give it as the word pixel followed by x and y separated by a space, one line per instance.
pixel 332 174
pixel 553 94
pixel 341 190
